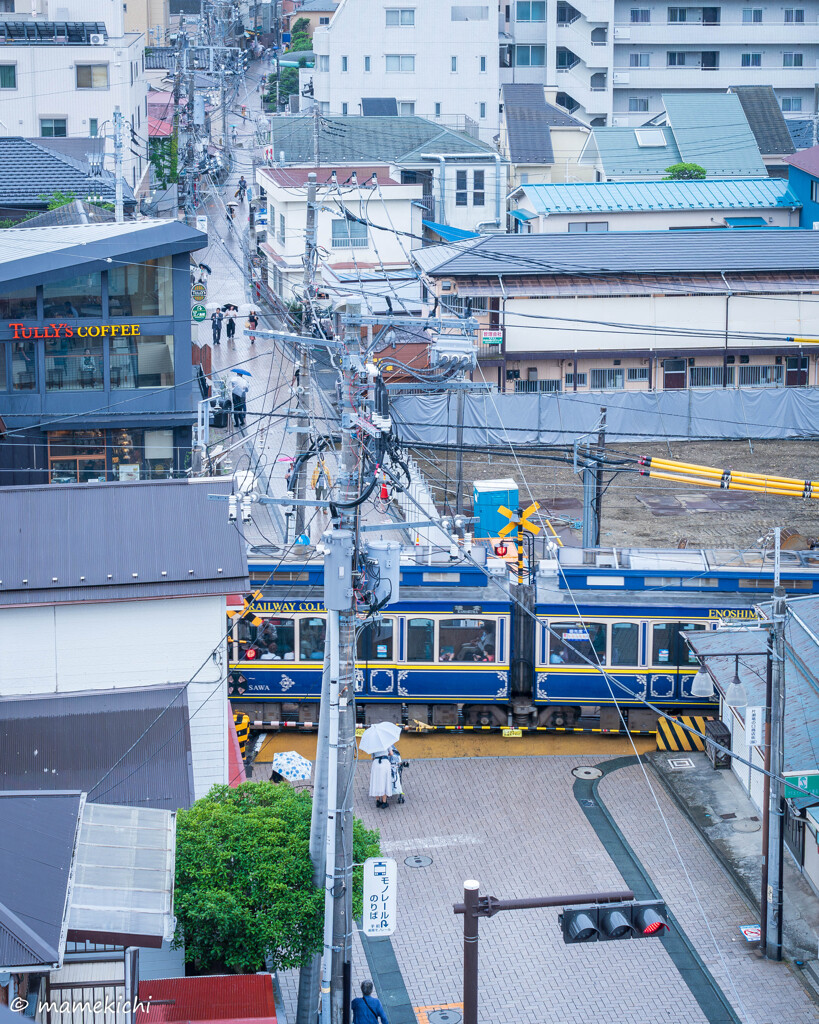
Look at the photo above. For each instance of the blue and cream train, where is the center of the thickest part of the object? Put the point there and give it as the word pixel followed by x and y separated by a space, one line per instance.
pixel 460 649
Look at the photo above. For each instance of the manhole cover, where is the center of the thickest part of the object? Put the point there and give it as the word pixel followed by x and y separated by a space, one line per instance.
pixel 745 826
pixel 586 772
pixel 418 862
pixel 444 1017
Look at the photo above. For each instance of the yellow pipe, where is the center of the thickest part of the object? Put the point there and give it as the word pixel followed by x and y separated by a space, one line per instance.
pixel 738 475
pixel 554 534
pixel 756 489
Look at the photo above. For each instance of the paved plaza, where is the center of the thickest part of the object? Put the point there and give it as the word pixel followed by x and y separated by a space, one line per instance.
pixel 515 825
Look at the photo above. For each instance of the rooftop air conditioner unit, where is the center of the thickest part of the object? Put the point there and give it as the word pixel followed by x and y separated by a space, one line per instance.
pixel 96 39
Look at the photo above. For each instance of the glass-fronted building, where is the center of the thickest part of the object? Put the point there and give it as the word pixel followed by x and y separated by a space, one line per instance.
pixel 96 373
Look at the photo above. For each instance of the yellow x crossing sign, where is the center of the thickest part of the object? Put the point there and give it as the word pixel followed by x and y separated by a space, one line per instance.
pixel 248 605
pixel 516 521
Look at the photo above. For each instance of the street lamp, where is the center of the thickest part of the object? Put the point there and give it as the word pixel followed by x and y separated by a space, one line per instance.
pixel 735 695
pixel 702 685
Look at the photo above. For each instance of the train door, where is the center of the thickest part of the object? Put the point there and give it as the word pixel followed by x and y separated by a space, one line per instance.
pixel 668 653
pixel 375 667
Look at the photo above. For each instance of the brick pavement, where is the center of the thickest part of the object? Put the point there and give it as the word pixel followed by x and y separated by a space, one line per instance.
pixel 513 823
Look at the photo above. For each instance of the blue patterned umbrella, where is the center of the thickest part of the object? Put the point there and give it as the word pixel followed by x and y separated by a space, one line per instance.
pixel 292 765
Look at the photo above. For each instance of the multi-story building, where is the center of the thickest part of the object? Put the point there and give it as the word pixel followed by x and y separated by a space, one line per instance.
pixel 612 61
pixel 152 18
pixel 434 61
pixel 65 66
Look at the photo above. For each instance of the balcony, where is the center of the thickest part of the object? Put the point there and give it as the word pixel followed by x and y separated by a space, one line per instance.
pixel 537 386
pixel 743 37
pixel 726 75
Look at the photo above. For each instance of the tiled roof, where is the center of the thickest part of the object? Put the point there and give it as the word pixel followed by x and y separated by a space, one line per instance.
pixel 711 130
pixel 31 171
pixel 800 130
pixel 622 196
pixel 765 118
pixel 527 126
pixel 296 177
pixel 76 212
pixel 806 160
pixel 224 998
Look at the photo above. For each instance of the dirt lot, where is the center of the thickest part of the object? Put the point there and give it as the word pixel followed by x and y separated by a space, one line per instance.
pixel 630 522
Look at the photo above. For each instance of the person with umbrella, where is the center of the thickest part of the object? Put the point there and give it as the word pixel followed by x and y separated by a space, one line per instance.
pixel 239 391
pixel 216 319
pixel 378 742
pixel 230 318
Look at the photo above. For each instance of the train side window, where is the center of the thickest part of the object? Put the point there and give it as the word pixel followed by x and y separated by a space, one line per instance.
pixel 274 640
pixel 420 640
pixel 467 640
pixel 375 641
pixel 663 635
pixel 686 655
pixel 578 643
pixel 311 639
pixel 625 643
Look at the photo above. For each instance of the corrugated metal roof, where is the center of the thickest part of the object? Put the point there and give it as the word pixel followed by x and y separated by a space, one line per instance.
pixel 617 252
pixel 621 154
pixel 527 126
pixel 161 538
pixel 711 130
pixel 74 741
pixel 224 998
pixel 36 856
pixel 765 118
pixel 630 196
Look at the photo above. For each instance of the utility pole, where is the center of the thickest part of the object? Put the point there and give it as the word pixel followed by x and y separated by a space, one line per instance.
pixel 118 211
pixel 773 897
pixel 303 383
pixel 598 497
pixel 593 488
pixel 316 127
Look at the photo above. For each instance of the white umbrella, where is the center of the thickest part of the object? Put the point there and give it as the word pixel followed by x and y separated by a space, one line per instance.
pixel 379 737
pixel 211 307
pixel 292 765
pixel 248 307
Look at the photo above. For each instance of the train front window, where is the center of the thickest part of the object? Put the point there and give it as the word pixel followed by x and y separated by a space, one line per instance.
pixel 274 640
pixel 578 643
pixel 311 639
pixel 375 641
pixel 420 640
pixel 625 643
pixel 466 640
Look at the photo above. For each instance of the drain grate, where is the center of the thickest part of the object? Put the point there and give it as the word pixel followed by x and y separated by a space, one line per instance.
pixel 586 772
pixel 418 861
pixel 728 817
pixel 444 1017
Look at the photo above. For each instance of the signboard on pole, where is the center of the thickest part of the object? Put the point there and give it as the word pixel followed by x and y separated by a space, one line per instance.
pixel 198 313
pixel 199 292
pixel 492 336
pixel 755 726
pixel 807 781
pixel 380 895
pixel 202 224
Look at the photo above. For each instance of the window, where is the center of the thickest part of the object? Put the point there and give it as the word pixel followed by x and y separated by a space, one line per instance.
pixel 23 366
pixel 406 109
pixel 343 109
pixel 482 113
pixel 73 297
pixel 570 380
pixel 637 373
pixel 141 289
pixel 52 128
pixel 478 179
pixel 677 14
pixel 675 58
pixel 791 60
pixel 483 64
pixel 461 195
pixel 458 305
pixel 344 63
pixel 324 62
pixel 145 361
pixel 625 643
pixel 8 76
pixel 791 103
pixel 73 364
pixel 639 60
pixel 607 379
pixel 577 643
pixel 469 14
pixel 453 63
pixel 751 60
pixel 420 640
pixel 274 640
pixel 588 225
pixel 93 76
pixel 400 16
pixel 752 16
pixel 640 15
pixel 466 640
pixel 400 62
pixel 437 109
pixel 349 234
pixel 637 104
pixel 311 639
pixel 324 21
pixel 76 456
pixel 530 56
pixel 281 227
pixel 18 305
pixel 814 191
pixel 531 10
pixel 375 641
pixel 367 63
pixel 668 647
pixel 794 16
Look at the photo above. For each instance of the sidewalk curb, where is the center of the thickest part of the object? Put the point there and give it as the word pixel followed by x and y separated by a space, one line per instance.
pixel 387 978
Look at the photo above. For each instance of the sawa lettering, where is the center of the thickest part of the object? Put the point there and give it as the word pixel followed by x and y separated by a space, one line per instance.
pixel 23 333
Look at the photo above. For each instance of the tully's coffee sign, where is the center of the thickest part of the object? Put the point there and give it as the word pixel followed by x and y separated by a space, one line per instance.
pixel 23 333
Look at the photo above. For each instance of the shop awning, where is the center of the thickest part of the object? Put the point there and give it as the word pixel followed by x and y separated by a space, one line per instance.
pixel 523 215
pixel 447 233
pixel 746 222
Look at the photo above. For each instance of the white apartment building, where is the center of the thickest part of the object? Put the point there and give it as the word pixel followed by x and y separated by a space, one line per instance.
pixel 64 66
pixel 611 60
pixel 435 60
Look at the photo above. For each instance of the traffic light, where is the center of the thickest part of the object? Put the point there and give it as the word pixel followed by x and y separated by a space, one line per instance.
pixel 606 922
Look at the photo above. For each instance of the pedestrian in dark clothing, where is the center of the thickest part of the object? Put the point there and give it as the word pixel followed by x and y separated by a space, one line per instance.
pixel 216 323
pixel 252 324
pixel 230 326
pixel 239 393
pixel 367 1009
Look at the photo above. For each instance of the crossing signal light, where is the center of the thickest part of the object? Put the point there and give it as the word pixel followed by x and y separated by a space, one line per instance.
pixel 609 922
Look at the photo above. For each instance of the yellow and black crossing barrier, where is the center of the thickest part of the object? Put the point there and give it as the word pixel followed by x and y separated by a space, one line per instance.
pixel 672 736
pixel 242 723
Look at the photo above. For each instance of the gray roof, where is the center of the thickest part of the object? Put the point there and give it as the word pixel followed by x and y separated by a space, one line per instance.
pixel 67 543
pixel 617 252
pixel 355 140
pixel 125 747
pixel 711 130
pixel 37 253
pixel 31 170
pixel 765 118
pixel 527 128
pixel 36 857
pixel 76 212
pixel 85 150
pixel 312 5
pixel 800 130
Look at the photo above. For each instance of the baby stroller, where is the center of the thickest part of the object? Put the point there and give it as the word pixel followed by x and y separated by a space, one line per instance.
pixel 397 767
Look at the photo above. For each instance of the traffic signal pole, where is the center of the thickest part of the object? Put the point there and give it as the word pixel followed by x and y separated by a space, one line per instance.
pixel 475 906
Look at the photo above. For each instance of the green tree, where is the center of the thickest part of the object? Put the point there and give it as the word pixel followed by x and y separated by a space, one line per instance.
pixel 301 26
pixel 57 199
pixel 684 172
pixel 244 886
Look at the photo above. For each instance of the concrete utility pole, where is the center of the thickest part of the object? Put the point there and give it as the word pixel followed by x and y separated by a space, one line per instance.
pixel 773 897
pixel 118 209
pixel 308 280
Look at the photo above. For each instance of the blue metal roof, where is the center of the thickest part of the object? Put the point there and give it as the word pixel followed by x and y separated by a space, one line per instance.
pixel 447 233
pixel 712 130
pixel 636 196
pixel 621 154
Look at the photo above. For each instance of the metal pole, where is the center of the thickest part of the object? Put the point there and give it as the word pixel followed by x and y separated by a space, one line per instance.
pixel 304 352
pixel 589 494
pixel 330 883
pixel 316 155
pixel 598 491
pixel 766 799
pixel 519 539
pixel 471 935
pixel 776 803
pixel 118 214
pixel 459 452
